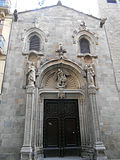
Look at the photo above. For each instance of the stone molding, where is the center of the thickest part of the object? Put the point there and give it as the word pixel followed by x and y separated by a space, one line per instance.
pixel 26 150
pixel 91 37
pixel 99 148
pixel 34 31
pixel 80 55
pixel 65 91
pixel 40 53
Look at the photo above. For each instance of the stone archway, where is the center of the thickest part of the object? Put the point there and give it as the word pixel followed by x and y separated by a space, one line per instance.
pixel 73 86
pixel 76 88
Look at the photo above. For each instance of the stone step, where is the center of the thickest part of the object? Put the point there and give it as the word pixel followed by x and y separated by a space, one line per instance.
pixel 64 158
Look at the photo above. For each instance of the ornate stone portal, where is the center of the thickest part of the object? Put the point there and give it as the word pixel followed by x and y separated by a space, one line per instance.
pixel 62 79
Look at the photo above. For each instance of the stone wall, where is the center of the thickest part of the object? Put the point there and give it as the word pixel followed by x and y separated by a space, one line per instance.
pixel 111 128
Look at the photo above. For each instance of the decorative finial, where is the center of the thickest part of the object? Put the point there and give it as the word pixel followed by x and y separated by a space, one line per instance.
pixel 59 3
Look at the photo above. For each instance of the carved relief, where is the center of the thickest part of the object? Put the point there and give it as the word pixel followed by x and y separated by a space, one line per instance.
pixel 61 73
pixel 82 26
pixel 61 79
pixel 64 79
pixel 61 95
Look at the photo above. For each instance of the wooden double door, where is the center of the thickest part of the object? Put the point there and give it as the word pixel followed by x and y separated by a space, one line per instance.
pixel 61 132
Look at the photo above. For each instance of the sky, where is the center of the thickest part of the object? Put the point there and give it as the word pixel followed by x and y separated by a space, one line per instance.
pixel 86 6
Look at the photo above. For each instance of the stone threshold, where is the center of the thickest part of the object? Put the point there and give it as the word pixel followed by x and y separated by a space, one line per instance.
pixel 64 158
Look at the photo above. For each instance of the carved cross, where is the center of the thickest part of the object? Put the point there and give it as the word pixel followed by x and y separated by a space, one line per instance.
pixel 61 51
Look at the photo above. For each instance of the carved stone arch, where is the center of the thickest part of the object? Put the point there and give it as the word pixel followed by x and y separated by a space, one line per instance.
pixel 91 37
pixel 34 31
pixel 75 77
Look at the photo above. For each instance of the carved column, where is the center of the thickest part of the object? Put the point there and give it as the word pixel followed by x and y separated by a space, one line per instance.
pixel 99 147
pixel 26 151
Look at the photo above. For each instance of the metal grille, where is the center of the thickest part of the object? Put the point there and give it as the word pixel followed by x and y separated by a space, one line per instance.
pixel 84 46
pixel 34 43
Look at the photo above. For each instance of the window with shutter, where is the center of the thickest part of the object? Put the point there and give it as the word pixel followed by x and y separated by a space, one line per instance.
pixel 34 43
pixel 84 46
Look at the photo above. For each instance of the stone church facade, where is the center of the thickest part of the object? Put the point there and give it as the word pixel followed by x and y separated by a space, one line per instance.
pixel 60 92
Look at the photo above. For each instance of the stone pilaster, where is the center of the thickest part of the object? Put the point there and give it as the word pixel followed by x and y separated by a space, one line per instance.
pixel 26 150
pixel 99 148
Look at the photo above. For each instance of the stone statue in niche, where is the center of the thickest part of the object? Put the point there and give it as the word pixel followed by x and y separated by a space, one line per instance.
pixel 90 75
pixel 30 76
pixel 61 78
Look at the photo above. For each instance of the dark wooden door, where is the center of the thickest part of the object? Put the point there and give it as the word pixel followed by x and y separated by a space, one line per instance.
pixel 61 128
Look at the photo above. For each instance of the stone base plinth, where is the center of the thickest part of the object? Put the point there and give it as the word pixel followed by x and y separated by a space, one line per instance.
pixel 38 153
pixel 99 151
pixel 26 153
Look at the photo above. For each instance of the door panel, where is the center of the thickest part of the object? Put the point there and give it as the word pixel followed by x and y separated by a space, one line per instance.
pixel 70 132
pixel 52 133
pixel 61 128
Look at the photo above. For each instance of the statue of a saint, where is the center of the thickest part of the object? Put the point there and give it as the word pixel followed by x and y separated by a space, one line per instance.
pixel 90 76
pixel 31 74
pixel 61 79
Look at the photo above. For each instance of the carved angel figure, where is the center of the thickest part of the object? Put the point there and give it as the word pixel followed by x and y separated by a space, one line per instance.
pixel 31 74
pixel 61 78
